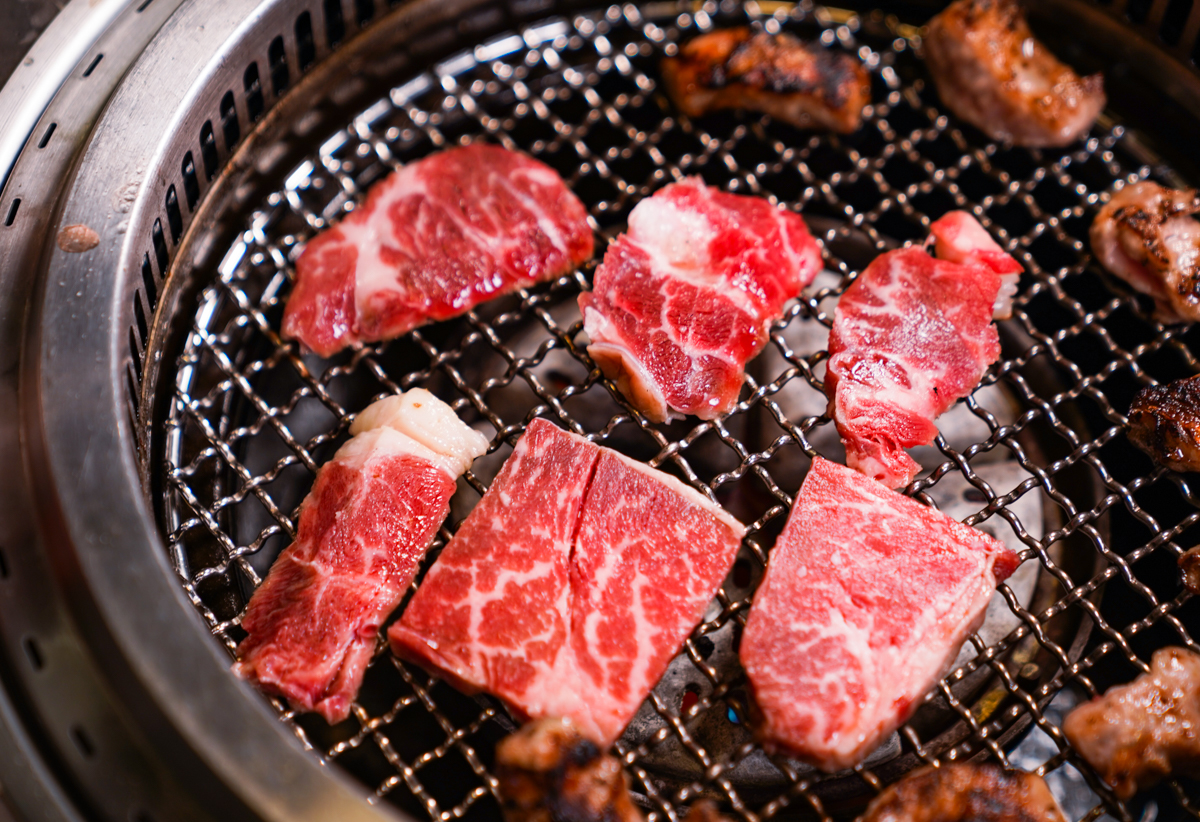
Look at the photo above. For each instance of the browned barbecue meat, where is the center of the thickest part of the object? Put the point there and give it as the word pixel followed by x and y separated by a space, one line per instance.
pixel 1146 236
pixel 548 772
pixel 1139 733
pixel 960 791
pixel 797 82
pixel 1189 563
pixel 991 72
pixel 1164 421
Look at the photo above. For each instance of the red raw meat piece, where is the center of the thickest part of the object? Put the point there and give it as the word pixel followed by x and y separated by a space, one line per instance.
pixel 363 530
pixel 571 585
pixel 867 598
pixel 911 336
pixel 686 297
pixel 432 241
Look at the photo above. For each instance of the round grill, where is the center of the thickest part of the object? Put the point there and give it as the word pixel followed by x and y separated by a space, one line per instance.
pixel 222 424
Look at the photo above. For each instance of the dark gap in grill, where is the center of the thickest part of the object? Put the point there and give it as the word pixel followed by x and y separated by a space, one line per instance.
pixel 140 318
pixel 208 150
pixel 149 283
pixel 3 564
pixel 46 137
pixel 335 23
pixel 191 184
pixel 82 741
pixel 12 212
pixel 87 72
pixel 1137 10
pixel 306 47
pixel 33 652
pixel 364 11
pixel 174 217
pixel 160 248
pixel 131 387
pixel 277 57
pixel 254 92
pixel 230 127
pixel 1173 21
pixel 135 354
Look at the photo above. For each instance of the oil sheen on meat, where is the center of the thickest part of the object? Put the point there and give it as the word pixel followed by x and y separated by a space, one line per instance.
pixel 911 336
pixel 867 598
pixel 313 623
pixel 1148 236
pixel 959 791
pixel 991 71
pixel 1164 421
pixel 571 585
pixel 686 297
pixel 797 82
pixel 432 241
pixel 1138 734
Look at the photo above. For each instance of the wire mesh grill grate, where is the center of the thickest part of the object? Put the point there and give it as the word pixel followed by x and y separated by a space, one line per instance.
pixel 252 419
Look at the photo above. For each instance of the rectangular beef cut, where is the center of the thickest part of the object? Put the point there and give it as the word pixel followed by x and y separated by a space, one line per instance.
pixel 867 598
pixel 911 336
pixel 432 241
pixel 363 530
pixel 686 297
pixel 571 585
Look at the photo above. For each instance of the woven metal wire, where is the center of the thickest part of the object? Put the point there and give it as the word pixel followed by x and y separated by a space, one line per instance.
pixel 252 419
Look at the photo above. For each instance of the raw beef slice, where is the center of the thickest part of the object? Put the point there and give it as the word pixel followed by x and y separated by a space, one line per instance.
pixel 432 241
pixel 571 585
pixel 867 598
pixel 686 297
pixel 911 336
pixel 363 529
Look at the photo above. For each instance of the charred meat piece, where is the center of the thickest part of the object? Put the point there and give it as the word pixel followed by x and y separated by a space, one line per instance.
pixel 1140 733
pixel 961 791
pixel 1164 421
pixel 991 72
pixel 549 772
pixel 1189 563
pixel 800 83
pixel 1146 236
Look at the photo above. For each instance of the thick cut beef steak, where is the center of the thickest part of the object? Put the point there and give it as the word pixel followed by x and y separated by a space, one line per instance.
pixel 686 297
pixel 571 585
pixel 867 598
pixel 363 530
pixel 911 336
pixel 432 241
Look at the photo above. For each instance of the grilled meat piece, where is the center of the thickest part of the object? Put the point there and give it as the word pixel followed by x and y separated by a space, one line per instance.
pixel 1139 733
pixel 961 791
pixel 548 772
pixel 800 83
pixel 1189 563
pixel 991 72
pixel 1164 421
pixel 1147 237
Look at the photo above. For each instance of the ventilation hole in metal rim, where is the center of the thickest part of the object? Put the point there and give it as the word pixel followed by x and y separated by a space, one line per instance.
pixel 92 66
pixel 135 354
pixel 3 564
pixel 144 6
pixel 208 150
pixel 33 652
pixel 335 23
pixel 149 283
pixel 140 318
pixel 12 212
pixel 191 184
pixel 364 11
pixel 161 256
pixel 174 216
pixel 277 56
pixel 229 122
pixel 254 94
pixel 82 741
pixel 47 135
pixel 306 48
